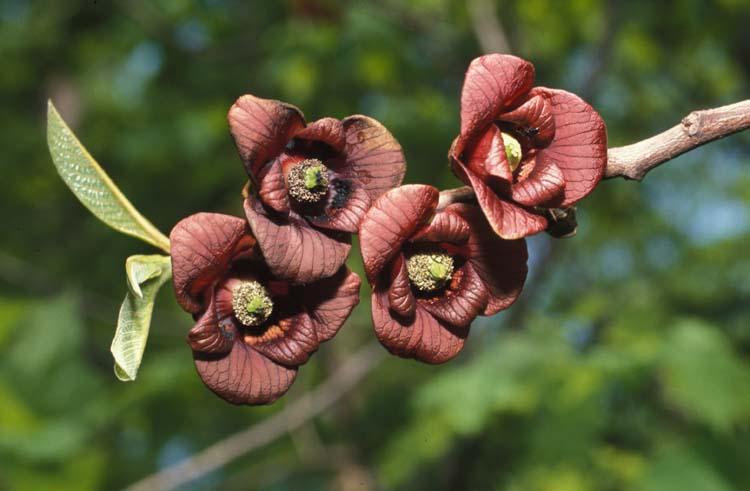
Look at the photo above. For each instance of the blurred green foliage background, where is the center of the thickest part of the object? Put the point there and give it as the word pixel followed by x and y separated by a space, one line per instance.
pixel 625 366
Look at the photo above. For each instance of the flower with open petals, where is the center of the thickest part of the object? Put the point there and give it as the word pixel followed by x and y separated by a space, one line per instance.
pixel 313 183
pixel 252 329
pixel 524 149
pixel 433 271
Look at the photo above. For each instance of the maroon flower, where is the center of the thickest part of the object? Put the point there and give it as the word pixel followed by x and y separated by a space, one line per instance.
pixel 252 329
pixel 434 271
pixel 524 148
pixel 313 183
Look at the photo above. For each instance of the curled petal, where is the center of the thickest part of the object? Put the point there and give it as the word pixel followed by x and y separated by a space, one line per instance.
pixel 543 185
pixel 492 84
pixel 373 156
pixel 400 297
pixel 391 220
pixel 261 128
pixel 244 376
pixel 293 250
pixel 501 264
pixel 462 301
pixel 347 205
pixel 272 187
pixel 326 130
pixel 209 336
pixel 330 301
pixel 290 341
pixel 534 114
pixel 579 148
pixel 202 246
pixel 444 227
pixel 509 221
pixel 420 336
pixel 487 156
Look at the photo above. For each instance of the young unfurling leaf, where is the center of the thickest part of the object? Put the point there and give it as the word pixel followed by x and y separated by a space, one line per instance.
pixel 146 274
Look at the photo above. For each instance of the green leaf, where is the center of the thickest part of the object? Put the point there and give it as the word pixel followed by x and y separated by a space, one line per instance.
pixel 146 274
pixel 139 271
pixel 93 187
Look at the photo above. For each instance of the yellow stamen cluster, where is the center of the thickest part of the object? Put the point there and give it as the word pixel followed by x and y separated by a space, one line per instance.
pixel 429 271
pixel 251 303
pixel 307 181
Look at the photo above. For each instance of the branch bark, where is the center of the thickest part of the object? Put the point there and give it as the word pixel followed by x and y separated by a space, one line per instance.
pixel 291 417
pixel 696 129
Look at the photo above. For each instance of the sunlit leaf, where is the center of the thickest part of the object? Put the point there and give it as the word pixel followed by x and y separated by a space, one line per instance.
pixel 146 274
pixel 93 187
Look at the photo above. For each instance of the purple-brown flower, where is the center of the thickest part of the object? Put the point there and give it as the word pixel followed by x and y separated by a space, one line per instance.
pixel 433 271
pixel 252 328
pixel 313 183
pixel 524 149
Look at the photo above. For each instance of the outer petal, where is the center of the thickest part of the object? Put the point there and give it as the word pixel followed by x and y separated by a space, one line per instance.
pixel 391 220
pixel 210 336
pixel 261 129
pixel 272 187
pixel 347 205
pixel 421 336
pixel 327 130
pixel 330 302
pixel 373 155
pixel 444 227
pixel 501 264
pixel 294 250
pixel 202 246
pixel 492 84
pixel 459 304
pixel 244 376
pixel 543 186
pixel 579 148
pixel 507 220
pixel 290 341
pixel 400 297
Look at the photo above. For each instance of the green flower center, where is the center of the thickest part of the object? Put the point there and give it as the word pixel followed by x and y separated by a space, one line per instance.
pixel 512 150
pixel 251 303
pixel 429 271
pixel 307 181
